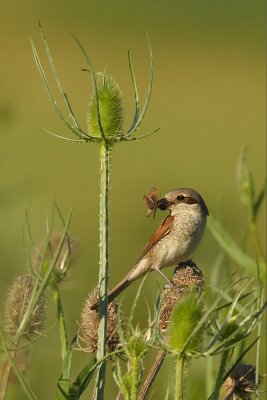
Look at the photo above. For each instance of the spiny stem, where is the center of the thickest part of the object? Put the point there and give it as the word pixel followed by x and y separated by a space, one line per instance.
pixel 179 384
pixel 134 378
pixel 103 266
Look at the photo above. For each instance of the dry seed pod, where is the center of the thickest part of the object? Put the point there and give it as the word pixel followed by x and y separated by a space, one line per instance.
pixel 17 301
pixel 241 383
pixel 89 324
pixel 187 276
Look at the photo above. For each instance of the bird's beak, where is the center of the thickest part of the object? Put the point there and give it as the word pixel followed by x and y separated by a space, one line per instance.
pixel 163 204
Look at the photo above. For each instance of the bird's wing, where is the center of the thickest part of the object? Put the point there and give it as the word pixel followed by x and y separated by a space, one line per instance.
pixel 163 230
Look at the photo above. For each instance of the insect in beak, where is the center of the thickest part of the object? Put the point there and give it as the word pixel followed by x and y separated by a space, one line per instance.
pixel 151 201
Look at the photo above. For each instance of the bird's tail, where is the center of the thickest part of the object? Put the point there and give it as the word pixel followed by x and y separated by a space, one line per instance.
pixel 123 284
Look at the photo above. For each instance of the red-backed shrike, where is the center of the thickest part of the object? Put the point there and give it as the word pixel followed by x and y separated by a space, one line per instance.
pixel 175 239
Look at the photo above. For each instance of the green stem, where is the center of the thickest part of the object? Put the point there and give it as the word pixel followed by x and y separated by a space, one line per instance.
pixel 179 384
pixel 219 381
pixel 62 324
pixel 103 266
pixel 64 380
pixel 134 378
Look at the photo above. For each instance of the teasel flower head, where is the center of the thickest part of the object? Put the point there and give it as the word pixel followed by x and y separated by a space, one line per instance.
pixel 47 252
pixel 109 99
pixel 106 112
pixel 241 383
pixel 187 277
pixel 88 331
pixel 18 298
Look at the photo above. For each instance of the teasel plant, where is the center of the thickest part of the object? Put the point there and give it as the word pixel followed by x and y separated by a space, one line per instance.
pixel 191 327
pixel 25 307
pixel 187 279
pixel 105 129
pixel 254 266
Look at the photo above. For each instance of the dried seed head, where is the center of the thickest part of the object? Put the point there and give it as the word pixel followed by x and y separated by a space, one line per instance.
pixel 18 298
pixel 89 324
pixel 241 383
pixel 187 277
pixel 66 253
pixel 110 108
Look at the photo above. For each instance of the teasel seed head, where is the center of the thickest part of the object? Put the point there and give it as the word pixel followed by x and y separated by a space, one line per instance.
pixel 89 325
pixel 187 277
pixel 18 298
pixel 241 383
pixel 110 108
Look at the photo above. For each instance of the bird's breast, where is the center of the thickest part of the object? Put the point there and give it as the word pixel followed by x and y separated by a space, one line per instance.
pixel 180 243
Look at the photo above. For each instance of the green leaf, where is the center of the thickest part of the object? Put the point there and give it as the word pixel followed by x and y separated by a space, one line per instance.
pixel 60 88
pixel 230 246
pixel 258 201
pixel 64 379
pixel 37 294
pixel 78 133
pixel 82 380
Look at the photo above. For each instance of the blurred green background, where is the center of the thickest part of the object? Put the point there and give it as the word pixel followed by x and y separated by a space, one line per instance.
pixel 208 96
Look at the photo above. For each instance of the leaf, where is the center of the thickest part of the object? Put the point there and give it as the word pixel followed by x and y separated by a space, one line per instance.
pixel 36 295
pixel 230 246
pixel 258 201
pixel 137 121
pixel 60 88
pixel 82 380
pixel 63 383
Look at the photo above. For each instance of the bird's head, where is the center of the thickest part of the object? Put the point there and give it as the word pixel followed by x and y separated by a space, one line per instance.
pixel 182 199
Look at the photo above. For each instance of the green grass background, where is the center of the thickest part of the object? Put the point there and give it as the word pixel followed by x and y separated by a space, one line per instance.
pixel 208 96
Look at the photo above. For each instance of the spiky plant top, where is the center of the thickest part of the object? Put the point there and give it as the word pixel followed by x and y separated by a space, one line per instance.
pixel 105 115
pixel 89 325
pixel 110 108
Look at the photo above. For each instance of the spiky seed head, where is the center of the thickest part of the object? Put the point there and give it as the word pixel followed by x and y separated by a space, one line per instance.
pixel 18 298
pixel 66 254
pixel 110 108
pixel 187 277
pixel 241 383
pixel 89 324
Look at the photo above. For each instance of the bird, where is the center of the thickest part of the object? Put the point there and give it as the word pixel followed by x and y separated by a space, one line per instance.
pixel 174 240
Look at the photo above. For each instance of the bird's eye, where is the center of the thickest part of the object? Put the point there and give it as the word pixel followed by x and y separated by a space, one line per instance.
pixel 180 197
